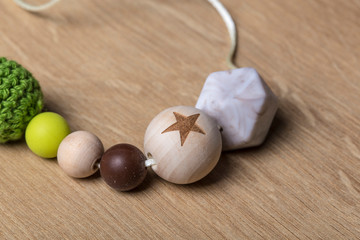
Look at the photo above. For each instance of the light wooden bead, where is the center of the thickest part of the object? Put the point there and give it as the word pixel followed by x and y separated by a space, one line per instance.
pixel 78 154
pixel 185 144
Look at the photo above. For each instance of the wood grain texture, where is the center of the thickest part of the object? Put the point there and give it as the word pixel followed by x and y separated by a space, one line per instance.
pixel 109 67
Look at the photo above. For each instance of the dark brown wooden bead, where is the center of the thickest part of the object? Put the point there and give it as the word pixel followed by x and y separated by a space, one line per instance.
pixel 123 167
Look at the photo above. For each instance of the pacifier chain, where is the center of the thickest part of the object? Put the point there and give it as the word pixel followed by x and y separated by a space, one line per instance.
pixel 182 144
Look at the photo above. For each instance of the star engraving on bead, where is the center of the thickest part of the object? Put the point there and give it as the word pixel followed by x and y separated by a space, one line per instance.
pixel 185 124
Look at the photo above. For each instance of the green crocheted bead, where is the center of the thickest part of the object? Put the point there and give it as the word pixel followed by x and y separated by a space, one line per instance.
pixel 20 99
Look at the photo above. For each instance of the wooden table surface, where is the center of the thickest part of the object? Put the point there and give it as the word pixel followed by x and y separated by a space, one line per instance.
pixel 110 66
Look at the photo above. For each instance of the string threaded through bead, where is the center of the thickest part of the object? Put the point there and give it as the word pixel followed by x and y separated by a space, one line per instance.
pixel 20 99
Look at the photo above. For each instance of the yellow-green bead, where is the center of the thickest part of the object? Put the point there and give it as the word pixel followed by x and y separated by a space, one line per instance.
pixel 45 132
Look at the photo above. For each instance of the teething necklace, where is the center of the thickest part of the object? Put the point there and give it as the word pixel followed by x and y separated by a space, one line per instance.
pixel 182 144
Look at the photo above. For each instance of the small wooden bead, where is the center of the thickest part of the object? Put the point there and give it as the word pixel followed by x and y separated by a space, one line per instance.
pixel 123 167
pixel 78 154
pixel 185 144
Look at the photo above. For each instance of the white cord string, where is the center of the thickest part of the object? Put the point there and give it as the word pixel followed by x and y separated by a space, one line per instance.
pixel 230 24
pixel 33 8
pixel 224 13
pixel 150 162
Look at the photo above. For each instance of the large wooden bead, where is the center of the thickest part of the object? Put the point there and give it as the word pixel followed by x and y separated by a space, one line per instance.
pixel 78 153
pixel 185 144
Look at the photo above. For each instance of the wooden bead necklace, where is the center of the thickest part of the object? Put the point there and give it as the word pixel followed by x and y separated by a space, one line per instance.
pixel 182 144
